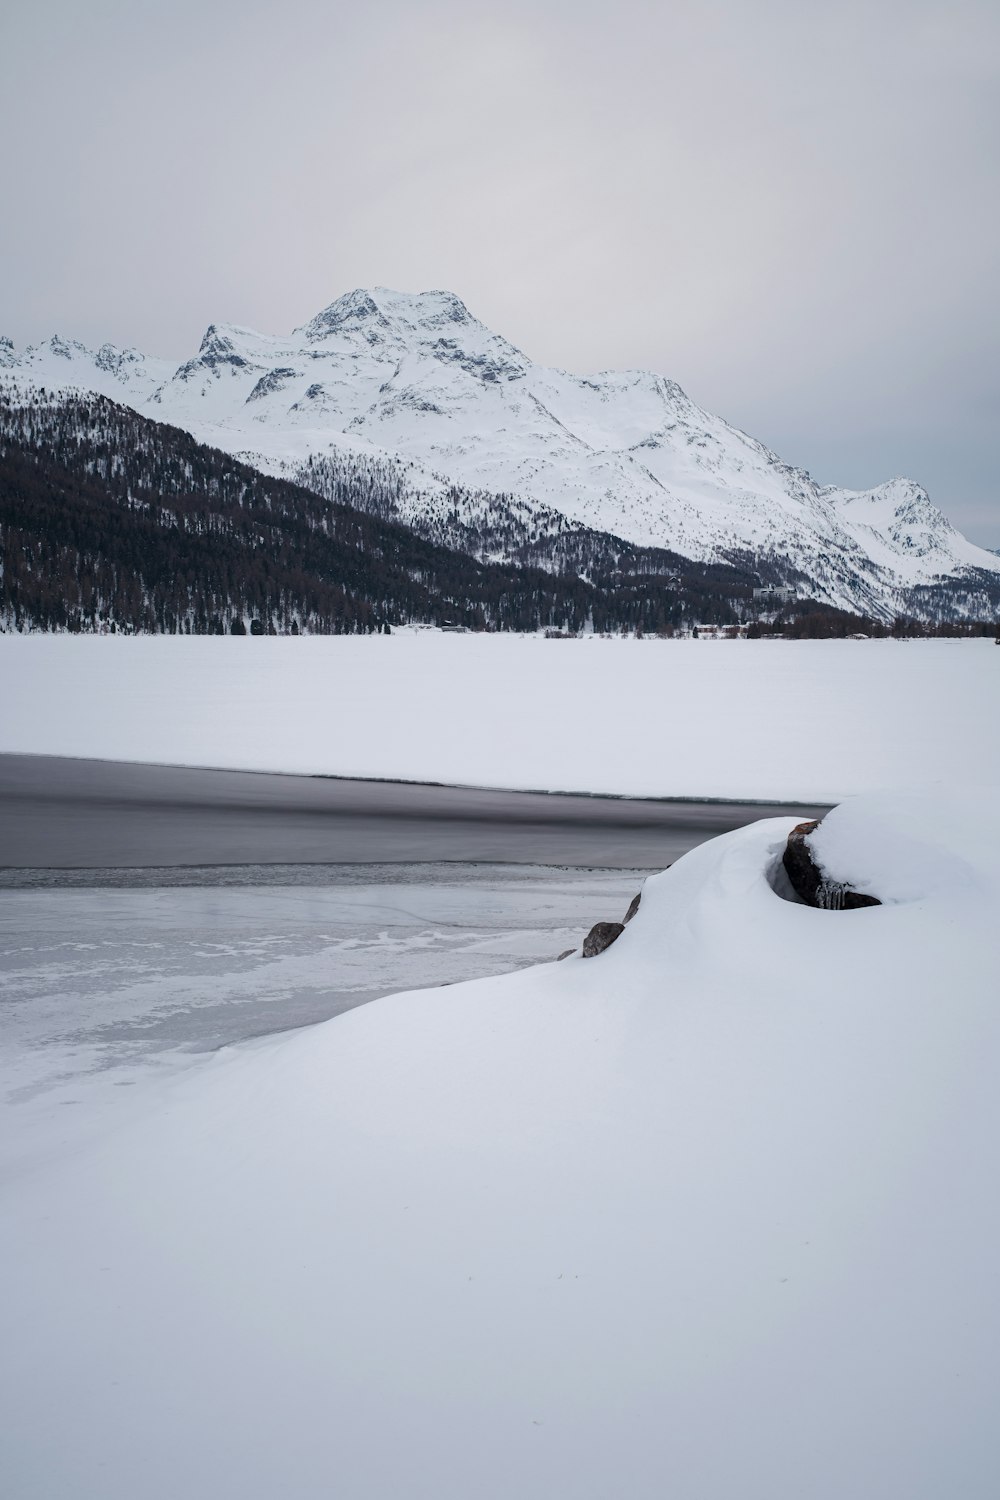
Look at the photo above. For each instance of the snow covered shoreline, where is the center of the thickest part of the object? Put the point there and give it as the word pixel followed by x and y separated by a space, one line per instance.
pixel 708 1215
pixel 746 720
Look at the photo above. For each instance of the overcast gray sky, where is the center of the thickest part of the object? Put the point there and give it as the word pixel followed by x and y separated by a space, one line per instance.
pixel 790 208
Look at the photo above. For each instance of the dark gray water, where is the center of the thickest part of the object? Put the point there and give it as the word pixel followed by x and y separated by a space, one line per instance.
pixel 59 814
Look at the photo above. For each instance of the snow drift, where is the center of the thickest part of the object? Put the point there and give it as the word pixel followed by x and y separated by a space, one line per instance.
pixel 709 1215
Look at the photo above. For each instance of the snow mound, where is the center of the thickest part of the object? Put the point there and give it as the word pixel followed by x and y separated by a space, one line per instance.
pixel 909 849
pixel 707 1215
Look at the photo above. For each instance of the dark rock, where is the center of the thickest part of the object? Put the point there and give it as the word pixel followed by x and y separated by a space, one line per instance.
pixel 634 907
pixel 798 862
pixel 601 936
pixel 568 954
pixel 808 881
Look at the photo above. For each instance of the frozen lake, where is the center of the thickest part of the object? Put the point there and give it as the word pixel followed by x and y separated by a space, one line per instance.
pixel 148 914
pixel 747 720
pixel 104 986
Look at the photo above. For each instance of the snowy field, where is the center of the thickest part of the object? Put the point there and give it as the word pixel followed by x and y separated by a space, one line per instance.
pixel 711 1215
pixel 771 720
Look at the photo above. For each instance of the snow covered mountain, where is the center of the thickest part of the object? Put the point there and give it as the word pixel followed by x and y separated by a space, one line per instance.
pixel 462 417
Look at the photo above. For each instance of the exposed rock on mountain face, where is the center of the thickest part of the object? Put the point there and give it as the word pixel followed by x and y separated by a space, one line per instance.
pixel 417 381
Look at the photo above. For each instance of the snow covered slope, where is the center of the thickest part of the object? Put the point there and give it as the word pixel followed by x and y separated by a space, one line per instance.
pixel 417 376
pixel 706 1216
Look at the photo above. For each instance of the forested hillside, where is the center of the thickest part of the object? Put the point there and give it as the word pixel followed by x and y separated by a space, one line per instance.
pixel 505 528
pixel 109 520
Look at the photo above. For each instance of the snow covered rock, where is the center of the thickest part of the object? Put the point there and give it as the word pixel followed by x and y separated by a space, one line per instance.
pixel 810 882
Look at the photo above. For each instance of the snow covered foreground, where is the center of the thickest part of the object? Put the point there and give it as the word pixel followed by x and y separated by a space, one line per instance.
pixel 711 1215
pixel 769 720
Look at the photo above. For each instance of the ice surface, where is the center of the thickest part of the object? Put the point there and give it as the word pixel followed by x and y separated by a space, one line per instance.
pixel 105 987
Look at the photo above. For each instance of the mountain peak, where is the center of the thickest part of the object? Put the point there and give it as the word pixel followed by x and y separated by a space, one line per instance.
pixel 65 348
pixel 354 312
pixel 223 338
pixel 418 379
pixel 379 312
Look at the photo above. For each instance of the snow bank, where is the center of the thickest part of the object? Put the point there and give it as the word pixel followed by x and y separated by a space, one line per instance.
pixel 710 1215
pixel 808 721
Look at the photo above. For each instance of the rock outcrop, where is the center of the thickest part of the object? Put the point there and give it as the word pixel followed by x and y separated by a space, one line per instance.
pixel 601 936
